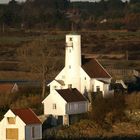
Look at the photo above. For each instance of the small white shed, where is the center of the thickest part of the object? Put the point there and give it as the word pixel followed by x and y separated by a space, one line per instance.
pixel 20 124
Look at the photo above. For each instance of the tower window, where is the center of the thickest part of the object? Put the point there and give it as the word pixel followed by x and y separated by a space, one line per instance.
pixel 70 50
pixel 69 66
pixel 85 78
pixel 70 38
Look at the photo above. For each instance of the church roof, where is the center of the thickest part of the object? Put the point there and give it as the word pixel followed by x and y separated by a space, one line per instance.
pixel 27 116
pixel 71 95
pixel 95 70
pixel 61 82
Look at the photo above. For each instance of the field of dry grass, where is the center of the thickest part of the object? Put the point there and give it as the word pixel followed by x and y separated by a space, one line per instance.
pixel 110 47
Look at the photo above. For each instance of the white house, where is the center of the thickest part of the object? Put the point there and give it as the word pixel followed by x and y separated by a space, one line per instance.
pixel 90 76
pixel 63 103
pixel 20 124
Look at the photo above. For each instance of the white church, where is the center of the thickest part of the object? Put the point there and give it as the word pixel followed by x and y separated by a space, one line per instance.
pixel 67 90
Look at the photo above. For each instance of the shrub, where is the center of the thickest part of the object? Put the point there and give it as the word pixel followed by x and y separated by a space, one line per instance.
pixel 108 110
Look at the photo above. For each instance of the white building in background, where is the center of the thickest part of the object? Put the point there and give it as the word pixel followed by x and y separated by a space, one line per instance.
pixel 89 77
pixel 20 124
pixel 86 77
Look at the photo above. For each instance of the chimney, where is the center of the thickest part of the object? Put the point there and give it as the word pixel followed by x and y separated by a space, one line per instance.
pixel 70 86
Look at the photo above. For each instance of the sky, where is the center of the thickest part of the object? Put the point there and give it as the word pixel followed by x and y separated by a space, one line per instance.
pixel 6 1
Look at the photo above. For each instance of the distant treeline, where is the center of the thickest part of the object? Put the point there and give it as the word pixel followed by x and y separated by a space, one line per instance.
pixel 63 14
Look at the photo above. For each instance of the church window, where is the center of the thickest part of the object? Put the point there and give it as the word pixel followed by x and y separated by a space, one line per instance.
pixel 70 38
pixel 54 87
pixel 54 106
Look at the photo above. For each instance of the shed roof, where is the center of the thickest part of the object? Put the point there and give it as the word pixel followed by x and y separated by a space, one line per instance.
pixel 27 116
pixel 71 95
pixel 95 70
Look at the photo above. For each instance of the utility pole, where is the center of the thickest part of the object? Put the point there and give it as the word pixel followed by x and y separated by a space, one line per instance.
pixel 126 55
pixel 3 28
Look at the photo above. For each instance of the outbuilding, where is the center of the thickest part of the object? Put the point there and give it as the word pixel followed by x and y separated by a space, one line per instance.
pixel 20 124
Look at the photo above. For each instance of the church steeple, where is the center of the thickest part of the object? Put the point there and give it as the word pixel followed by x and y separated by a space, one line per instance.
pixel 73 57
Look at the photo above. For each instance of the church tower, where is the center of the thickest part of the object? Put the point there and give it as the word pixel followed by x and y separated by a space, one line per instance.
pixel 73 60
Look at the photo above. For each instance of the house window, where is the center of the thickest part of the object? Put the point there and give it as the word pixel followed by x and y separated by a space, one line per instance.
pixel 54 106
pixel 11 120
pixel 33 132
pixel 97 88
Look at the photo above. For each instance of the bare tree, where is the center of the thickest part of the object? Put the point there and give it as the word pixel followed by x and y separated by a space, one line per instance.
pixel 37 57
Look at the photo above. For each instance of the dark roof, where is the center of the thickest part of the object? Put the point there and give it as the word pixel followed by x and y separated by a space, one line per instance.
pixel 71 95
pixel 105 82
pixel 95 70
pixel 27 116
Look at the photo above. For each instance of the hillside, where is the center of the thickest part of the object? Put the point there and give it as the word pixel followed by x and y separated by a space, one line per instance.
pixel 110 47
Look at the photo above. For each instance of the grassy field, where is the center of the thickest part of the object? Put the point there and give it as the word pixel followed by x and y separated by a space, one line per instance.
pixel 108 44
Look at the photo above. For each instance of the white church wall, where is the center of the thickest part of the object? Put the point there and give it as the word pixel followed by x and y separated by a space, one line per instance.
pixel 61 75
pixel 108 80
pixel 97 85
pixel 85 81
pixel 55 85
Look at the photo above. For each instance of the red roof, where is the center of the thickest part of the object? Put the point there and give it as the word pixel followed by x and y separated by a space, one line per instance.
pixel 95 70
pixel 6 88
pixel 71 95
pixel 27 116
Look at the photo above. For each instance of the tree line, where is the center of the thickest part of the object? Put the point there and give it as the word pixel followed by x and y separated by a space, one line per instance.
pixel 62 14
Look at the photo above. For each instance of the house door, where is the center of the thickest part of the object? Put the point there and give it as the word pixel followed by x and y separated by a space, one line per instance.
pixel 11 134
pixel 60 120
